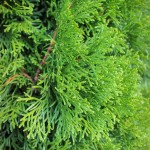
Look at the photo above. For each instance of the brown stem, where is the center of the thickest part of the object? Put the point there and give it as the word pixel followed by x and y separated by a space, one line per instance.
pixel 49 50
pixel 11 79
pixel 26 75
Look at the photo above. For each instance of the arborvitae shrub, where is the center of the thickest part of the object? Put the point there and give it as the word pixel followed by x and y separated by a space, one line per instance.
pixel 69 74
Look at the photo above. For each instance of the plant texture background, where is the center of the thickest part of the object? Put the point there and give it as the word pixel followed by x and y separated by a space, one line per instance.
pixel 71 72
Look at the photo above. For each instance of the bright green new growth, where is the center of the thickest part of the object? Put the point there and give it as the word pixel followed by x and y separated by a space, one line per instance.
pixel 86 94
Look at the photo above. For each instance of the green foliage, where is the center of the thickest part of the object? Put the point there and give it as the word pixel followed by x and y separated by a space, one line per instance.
pixel 86 95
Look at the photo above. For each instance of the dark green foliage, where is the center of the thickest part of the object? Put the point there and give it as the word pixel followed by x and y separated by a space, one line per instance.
pixel 86 95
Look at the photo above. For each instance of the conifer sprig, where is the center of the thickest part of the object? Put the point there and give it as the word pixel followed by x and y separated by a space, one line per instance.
pixel 49 50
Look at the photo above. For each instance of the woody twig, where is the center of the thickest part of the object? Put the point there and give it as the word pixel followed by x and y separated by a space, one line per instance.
pixel 26 75
pixel 49 50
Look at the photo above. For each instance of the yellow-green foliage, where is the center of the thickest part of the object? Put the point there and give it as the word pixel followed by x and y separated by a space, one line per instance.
pixel 86 96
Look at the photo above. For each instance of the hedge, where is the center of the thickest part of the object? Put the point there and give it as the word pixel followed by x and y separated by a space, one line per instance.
pixel 71 74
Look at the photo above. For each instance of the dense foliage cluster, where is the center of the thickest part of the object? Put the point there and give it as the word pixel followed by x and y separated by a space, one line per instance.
pixel 78 90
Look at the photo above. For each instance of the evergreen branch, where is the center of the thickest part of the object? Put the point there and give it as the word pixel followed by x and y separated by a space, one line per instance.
pixel 49 50
pixel 26 75
pixel 10 79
